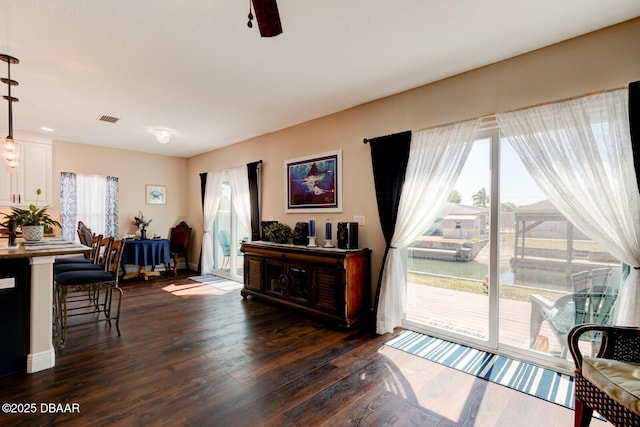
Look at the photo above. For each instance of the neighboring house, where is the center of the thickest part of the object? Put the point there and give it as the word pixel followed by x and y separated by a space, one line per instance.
pixel 464 222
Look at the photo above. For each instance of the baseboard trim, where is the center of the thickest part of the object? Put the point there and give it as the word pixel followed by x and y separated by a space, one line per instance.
pixel 41 361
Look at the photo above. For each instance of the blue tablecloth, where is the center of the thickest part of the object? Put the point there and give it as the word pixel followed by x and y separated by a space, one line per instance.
pixel 146 252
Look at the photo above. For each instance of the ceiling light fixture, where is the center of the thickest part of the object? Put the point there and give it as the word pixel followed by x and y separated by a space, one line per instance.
pixel 10 149
pixel 162 135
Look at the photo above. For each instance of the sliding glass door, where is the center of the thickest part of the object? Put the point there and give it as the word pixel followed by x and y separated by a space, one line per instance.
pixel 448 266
pixel 554 273
pixel 229 234
pixel 502 269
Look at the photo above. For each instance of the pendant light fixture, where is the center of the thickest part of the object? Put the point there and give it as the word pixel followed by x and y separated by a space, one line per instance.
pixel 10 149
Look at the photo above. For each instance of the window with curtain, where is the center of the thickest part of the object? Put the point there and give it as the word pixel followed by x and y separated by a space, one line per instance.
pixel 91 199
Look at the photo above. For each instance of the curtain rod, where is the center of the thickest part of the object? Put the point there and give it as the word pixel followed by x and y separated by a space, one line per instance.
pixel 366 140
pixel 570 98
pixel 233 167
pixel 492 116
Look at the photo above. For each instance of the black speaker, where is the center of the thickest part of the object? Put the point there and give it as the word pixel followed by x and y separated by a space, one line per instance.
pixel 301 233
pixel 348 235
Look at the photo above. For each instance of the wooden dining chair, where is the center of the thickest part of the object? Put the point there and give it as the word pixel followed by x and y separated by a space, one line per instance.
pixel 179 240
pixel 87 238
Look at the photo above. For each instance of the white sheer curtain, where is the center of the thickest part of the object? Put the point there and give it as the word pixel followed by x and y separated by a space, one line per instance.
pixel 91 199
pixel 579 153
pixel 212 193
pixel 239 184
pixel 436 158
pixel 91 202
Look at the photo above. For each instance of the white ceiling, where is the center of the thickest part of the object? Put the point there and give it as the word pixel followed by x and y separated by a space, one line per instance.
pixel 195 68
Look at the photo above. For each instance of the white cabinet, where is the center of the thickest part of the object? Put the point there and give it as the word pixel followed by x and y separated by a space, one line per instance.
pixel 19 187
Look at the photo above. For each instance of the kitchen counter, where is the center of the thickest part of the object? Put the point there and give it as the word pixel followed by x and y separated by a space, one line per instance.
pixel 39 274
pixel 46 247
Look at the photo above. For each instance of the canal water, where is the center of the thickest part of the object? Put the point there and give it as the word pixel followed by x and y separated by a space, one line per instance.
pixel 476 270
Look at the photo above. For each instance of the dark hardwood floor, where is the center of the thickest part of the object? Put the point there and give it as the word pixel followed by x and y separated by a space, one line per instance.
pixel 191 356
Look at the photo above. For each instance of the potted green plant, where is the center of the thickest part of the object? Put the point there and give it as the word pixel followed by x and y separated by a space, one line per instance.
pixel 32 221
pixel 278 232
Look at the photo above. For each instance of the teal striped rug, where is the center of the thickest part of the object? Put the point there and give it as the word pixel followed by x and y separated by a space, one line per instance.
pixel 533 380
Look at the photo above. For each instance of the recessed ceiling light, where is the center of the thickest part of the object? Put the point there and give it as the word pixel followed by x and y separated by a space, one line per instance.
pixel 46 129
pixel 162 135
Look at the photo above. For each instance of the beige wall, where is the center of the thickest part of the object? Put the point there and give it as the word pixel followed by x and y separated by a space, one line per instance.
pixel 133 170
pixel 601 60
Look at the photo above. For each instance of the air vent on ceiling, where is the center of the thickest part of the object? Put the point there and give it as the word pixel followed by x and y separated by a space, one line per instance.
pixel 108 119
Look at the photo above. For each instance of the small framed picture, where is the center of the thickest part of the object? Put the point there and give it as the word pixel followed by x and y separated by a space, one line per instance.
pixel 155 194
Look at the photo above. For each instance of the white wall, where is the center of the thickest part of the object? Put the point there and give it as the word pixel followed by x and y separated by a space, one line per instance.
pixel 134 170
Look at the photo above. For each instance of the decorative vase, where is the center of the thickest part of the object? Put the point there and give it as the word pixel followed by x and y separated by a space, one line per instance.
pixel 32 233
pixel 143 234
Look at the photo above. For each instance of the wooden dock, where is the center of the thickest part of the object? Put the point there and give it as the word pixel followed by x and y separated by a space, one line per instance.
pixel 468 313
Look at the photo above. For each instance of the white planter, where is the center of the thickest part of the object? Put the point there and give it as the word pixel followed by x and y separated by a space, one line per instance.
pixel 32 233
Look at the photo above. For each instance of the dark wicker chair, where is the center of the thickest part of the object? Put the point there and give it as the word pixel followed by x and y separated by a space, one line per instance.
pixel 620 403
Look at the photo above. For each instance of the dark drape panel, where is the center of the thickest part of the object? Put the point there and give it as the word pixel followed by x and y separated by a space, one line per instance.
pixel 253 169
pixel 203 186
pixel 389 157
pixel 634 125
pixel 634 130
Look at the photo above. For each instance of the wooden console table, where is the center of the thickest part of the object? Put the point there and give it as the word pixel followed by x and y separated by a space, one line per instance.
pixel 329 283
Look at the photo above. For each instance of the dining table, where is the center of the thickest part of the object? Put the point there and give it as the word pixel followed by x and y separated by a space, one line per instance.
pixel 144 253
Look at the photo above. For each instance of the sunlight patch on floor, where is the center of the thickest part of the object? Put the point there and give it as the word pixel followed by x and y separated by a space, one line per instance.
pixel 414 380
pixel 193 289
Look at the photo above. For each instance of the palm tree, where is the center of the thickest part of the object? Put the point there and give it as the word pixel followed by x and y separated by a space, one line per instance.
pixel 480 198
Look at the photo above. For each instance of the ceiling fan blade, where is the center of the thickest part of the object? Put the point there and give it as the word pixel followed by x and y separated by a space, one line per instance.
pixel 268 17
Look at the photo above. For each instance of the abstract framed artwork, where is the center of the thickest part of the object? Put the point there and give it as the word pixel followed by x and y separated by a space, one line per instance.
pixel 314 183
pixel 155 194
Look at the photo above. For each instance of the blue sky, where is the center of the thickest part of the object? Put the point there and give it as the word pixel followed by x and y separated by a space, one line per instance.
pixel 516 185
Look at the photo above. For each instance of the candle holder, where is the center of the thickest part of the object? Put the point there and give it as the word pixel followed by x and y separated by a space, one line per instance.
pixel 328 234
pixel 312 242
